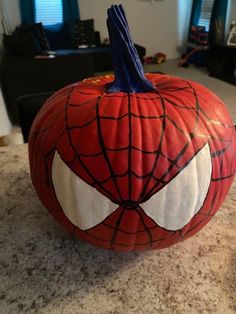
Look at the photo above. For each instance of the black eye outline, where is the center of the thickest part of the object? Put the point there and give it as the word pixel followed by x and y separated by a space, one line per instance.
pixel 177 209
pixel 84 212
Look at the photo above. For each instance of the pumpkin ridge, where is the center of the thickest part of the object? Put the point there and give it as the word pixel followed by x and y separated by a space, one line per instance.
pixel 139 127
pixel 163 127
pixel 130 149
pixel 103 148
pixel 95 182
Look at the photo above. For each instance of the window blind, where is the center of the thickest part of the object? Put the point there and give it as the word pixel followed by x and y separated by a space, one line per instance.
pixel 49 12
pixel 205 15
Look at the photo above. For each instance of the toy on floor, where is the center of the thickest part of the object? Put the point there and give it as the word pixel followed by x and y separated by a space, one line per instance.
pixel 158 58
pixel 132 161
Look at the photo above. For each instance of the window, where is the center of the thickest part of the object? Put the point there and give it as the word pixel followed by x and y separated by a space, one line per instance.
pixel 49 12
pixel 205 15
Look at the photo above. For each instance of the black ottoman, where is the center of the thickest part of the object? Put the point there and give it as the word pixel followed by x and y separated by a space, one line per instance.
pixel 28 106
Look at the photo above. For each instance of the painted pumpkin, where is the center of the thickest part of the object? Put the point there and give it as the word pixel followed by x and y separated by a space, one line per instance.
pixel 135 161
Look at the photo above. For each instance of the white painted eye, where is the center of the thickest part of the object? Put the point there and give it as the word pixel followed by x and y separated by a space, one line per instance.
pixel 82 204
pixel 177 202
pixel 171 208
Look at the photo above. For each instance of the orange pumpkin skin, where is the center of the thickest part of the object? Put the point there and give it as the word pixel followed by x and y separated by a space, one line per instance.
pixel 129 147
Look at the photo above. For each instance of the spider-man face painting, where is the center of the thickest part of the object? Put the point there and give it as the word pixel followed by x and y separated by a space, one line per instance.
pixel 130 171
pixel 132 162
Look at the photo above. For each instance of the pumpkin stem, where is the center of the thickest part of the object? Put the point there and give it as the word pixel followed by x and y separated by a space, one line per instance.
pixel 129 74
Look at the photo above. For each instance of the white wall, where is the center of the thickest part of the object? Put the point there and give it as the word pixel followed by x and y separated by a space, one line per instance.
pixel 232 11
pixel 5 125
pixel 184 14
pixel 12 13
pixel 156 25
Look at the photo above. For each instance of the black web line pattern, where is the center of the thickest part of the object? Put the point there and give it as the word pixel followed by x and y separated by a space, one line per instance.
pixel 129 149
pixel 175 161
pixel 145 194
pixel 102 146
pixel 209 211
pixel 116 229
pixel 158 151
pixel 95 182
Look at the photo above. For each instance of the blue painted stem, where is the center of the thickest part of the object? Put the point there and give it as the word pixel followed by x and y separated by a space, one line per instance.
pixel 129 74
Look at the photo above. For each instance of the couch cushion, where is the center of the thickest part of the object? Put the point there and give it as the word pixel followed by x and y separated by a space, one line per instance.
pixel 28 106
pixel 21 43
pixel 40 35
pixel 58 36
pixel 27 40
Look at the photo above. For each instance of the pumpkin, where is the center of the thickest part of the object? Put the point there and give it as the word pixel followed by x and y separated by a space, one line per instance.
pixel 132 161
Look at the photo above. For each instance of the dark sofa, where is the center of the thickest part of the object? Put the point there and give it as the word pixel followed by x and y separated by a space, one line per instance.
pixel 26 75
pixel 41 59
